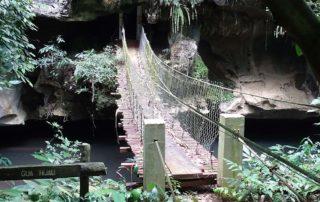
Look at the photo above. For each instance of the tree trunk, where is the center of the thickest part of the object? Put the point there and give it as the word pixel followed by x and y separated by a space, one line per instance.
pixel 302 25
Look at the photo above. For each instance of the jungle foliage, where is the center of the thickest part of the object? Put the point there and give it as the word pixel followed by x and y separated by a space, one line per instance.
pixel 88 72
pixel 16 60
pixel 181 12
pixel 257 182
pixel 200 70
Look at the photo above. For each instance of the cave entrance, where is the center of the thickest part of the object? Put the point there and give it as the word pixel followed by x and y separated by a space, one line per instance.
pixel 269 132
pixel 78 35
pixel 131 20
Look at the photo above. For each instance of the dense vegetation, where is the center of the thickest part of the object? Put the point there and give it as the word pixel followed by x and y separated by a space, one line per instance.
pixel 16 60
pixel 264 179
pixel 88 72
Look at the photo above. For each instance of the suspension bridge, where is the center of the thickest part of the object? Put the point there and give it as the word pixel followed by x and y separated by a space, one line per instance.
pixel 151 89
pixel 148 88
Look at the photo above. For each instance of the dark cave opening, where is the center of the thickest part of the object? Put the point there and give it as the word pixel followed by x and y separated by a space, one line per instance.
pixel 78 35
pixel 269 132
pixel 130 23
pixel 281 131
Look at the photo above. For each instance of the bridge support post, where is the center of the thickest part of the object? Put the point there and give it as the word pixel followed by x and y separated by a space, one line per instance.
pixel 85 150
pixel 153 170
pixel 229 148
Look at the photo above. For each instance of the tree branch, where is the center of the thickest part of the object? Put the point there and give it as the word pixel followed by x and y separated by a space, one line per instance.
pixel 302 25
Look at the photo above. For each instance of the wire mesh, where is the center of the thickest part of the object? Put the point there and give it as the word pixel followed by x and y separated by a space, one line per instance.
pixel 140 94
pixel 203 96
pixel 156 90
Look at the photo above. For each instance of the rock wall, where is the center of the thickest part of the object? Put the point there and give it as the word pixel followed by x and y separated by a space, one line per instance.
pixel 238 45
pixel 11 110
pixel 80 10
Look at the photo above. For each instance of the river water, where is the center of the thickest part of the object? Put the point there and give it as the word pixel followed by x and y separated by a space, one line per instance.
pixel 278 131
pixel 19 142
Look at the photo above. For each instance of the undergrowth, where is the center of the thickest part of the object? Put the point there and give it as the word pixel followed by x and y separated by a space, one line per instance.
pixel 256 182
pixel 60 150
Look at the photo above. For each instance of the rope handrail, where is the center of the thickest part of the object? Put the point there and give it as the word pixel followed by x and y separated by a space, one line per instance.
pixel 158 80
pixel 242 139
pixel 163 163
pixel 167 67
pixel 247 141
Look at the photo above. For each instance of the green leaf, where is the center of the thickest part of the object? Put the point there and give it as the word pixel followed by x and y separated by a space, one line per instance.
pixel 117 196
pixel 135 169
pixel 298 50
pixel 15 82
pixel 11 192
pixel 150 186
pixel 40 157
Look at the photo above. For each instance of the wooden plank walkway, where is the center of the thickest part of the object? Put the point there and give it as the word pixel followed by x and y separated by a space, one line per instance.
pixel 178 163
pixel 185 159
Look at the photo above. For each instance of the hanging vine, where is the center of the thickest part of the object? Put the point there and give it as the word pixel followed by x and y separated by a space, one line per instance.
pixel 181 12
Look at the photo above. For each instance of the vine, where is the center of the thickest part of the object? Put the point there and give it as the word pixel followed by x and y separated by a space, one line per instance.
pixel 181 12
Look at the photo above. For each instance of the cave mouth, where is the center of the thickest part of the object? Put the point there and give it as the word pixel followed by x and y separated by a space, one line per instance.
pixel 78 35
pixel 268 132
pixel 23 140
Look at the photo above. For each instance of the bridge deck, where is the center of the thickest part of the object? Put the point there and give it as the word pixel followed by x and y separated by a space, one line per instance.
pixel 185 158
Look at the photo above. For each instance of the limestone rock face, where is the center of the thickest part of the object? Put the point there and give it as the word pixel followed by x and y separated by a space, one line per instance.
pixel 183 52
pixel 53 8
pixel 56 100
pixel 241 48
pixel 81 10
pixel 11 110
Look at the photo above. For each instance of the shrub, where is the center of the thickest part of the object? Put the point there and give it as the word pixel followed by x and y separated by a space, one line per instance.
pixel 255 180
pixel 90 72
pixel 200 70
pixel 15 57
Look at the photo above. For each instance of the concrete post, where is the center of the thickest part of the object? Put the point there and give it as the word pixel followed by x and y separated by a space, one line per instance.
pixel 153 171
pixel 229 148
pixel 85 150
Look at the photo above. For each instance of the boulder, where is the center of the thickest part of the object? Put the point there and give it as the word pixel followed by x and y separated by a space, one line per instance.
pixel 11 110
pixel 183 51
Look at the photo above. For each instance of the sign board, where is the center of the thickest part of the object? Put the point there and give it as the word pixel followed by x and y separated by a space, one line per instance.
pixel 51 171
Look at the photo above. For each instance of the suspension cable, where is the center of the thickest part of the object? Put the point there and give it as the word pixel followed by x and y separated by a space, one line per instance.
pixel 164 167
pixel 237 136
pixel 166 66
pixel 244 139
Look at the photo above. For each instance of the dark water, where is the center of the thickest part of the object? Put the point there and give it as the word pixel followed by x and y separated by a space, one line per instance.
pixel 281 131
pixel 278 131
pixel 19 142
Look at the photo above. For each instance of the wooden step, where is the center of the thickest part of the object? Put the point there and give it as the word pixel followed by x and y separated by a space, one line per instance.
pixel 122 137
pixel 125 149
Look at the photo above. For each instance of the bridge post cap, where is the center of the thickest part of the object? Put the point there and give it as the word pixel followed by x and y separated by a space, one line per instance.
pixel 153 121
pixel 225 115
pixel 93 168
